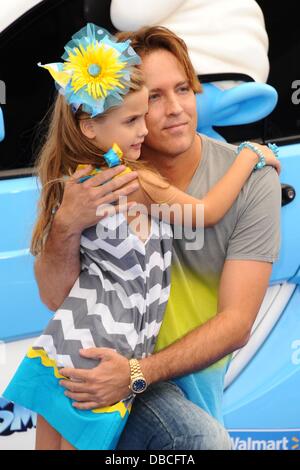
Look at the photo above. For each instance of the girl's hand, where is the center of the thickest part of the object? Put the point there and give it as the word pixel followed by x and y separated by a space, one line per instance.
pixel 270 157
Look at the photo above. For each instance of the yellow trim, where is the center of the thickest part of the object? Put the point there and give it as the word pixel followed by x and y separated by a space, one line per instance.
pixel 117 150
pixel 46 361
pixel 120 407
pixel 96 171
pixel 127 170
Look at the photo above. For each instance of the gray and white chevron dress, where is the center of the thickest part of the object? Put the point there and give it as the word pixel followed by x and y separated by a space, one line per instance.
pixel 119 298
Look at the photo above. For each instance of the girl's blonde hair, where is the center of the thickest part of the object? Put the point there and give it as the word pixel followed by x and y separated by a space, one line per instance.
pixel 64 147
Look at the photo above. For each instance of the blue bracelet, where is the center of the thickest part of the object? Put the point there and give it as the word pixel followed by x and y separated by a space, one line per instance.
pixel 262 161
pixel 274 149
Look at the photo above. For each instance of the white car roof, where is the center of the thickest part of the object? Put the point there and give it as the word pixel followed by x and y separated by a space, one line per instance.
pixel 13 9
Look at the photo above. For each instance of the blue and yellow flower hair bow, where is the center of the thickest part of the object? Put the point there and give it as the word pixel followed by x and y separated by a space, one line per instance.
pixel 96 71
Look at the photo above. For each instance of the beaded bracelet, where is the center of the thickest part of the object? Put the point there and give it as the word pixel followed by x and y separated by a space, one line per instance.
pixel 262 161
pixel 274 149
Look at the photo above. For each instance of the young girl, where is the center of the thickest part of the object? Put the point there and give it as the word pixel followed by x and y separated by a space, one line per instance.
pixel 119 298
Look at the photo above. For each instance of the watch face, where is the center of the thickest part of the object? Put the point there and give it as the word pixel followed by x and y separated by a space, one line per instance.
pixel 139 385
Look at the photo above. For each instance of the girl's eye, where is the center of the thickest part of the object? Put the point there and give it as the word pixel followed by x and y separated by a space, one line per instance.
pixel 131 120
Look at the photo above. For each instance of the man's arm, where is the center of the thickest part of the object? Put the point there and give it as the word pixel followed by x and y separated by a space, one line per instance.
pixel 57 268
pixel 242 289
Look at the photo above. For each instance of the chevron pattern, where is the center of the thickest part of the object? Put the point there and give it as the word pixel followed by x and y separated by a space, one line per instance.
pixel 119 299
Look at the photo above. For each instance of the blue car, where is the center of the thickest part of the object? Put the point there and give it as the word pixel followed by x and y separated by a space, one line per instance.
pixel 261 401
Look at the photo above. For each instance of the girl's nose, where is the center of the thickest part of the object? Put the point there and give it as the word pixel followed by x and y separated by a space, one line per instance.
pixel 143 130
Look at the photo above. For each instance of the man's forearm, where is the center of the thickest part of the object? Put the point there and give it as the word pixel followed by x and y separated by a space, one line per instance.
pixel 197 350
pixel 59 266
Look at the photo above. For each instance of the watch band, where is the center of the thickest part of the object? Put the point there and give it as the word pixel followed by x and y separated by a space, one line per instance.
pixel 135 369
pixel 138 383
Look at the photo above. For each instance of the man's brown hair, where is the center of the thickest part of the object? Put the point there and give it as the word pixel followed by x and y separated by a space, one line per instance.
pixel 150 39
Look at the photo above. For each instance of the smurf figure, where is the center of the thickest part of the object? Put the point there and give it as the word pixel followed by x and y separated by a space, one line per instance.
pixel 221 36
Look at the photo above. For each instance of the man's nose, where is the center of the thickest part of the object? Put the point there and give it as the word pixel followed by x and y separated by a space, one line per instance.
pixel 173 105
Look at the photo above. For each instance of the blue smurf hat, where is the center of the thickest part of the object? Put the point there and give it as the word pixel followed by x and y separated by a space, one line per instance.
pixel 96 72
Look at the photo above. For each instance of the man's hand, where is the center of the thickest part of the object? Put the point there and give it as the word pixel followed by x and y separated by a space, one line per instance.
pixel 101 386
pixel 79 208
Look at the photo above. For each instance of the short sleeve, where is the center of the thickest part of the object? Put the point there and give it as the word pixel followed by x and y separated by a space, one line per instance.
pixel 256 235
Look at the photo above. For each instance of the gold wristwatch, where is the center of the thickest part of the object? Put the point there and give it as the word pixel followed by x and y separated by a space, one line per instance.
pixel 138 383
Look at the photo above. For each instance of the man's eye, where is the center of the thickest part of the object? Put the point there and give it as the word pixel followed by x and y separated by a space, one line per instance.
pixel 184 89
pixel 153 97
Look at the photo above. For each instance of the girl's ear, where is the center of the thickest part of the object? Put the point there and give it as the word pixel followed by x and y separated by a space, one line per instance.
pixel 87 128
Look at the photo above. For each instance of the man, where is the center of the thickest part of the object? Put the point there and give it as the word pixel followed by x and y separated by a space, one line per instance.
pixel 216 291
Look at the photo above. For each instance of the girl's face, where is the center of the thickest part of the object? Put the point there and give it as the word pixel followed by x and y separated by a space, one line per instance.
pixel 124 125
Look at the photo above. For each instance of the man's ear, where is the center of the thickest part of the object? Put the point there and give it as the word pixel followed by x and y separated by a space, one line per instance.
pixel 87 128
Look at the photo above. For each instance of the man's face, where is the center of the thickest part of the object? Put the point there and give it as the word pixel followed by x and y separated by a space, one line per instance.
pixel 172 116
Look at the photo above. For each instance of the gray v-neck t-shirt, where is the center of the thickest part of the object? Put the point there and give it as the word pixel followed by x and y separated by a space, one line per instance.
pixel 249 231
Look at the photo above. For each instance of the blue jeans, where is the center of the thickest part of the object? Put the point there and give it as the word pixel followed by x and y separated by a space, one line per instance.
pixel 163 418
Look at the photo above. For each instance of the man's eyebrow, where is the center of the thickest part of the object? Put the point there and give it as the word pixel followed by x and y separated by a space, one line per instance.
pixel 183 82
pixel 156 90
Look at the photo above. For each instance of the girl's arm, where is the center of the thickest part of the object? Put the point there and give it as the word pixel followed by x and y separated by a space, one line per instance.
pixel 217 201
